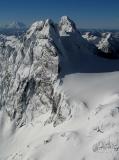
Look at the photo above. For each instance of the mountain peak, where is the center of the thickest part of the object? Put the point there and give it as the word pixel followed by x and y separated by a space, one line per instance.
pixel 49 85
pixel 66 24
pixel 46 29
pixel 65 18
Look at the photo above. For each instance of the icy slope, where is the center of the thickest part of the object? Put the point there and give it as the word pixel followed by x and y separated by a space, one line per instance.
pixel 28 72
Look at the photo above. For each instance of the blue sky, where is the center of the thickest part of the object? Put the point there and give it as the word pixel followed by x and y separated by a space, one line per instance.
pixel 86 13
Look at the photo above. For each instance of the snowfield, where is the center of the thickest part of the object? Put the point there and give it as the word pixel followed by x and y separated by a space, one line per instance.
pixel 53 104
pixel 90 132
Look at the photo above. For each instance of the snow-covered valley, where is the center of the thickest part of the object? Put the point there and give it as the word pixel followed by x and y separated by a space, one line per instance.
pixel 58 99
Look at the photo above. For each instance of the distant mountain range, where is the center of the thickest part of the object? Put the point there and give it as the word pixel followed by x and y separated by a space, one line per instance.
pixel 13 28
pixel 95 30
pixel 106 41
pixel 13 25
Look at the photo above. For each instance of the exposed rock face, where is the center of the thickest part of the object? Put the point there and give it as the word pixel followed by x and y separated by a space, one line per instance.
pixel 28 72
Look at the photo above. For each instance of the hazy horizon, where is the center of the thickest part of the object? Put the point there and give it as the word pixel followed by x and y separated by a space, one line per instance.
pixel 102 14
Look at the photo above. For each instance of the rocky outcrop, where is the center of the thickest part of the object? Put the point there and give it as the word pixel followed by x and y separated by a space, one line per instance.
pixel 29 70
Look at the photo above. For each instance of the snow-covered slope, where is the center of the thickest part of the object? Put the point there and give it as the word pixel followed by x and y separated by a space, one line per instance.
pixel 90 131
pixel 50 107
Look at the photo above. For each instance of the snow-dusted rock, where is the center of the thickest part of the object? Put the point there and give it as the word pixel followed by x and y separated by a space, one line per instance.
pixel 29 72
pixel 67 25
